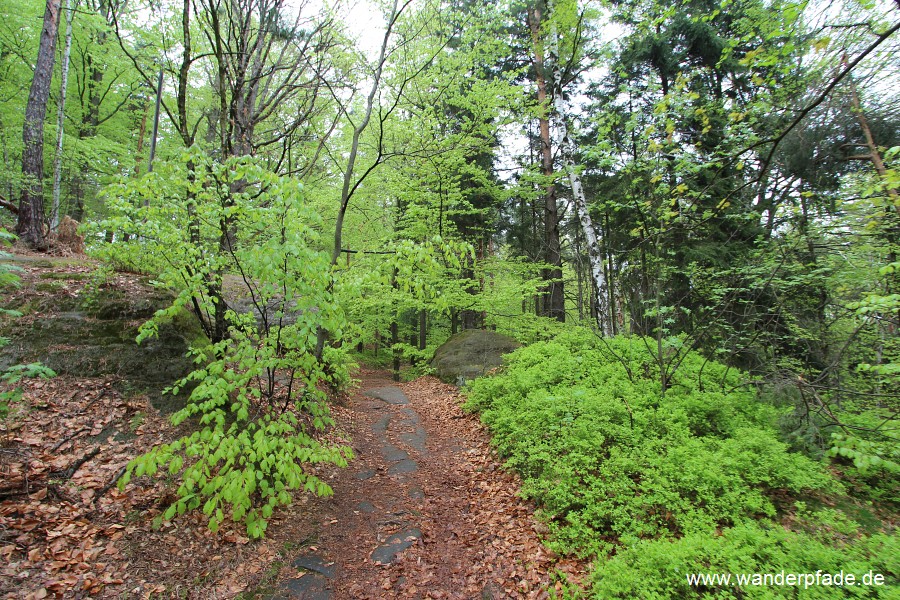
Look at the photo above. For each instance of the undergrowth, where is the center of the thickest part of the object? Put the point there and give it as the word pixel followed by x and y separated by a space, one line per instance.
pixel 691 480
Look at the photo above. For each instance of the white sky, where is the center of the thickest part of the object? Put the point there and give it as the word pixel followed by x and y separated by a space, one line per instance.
pixel 363 20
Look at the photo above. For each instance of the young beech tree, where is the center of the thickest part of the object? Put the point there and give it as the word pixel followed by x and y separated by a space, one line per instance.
pixel 256 391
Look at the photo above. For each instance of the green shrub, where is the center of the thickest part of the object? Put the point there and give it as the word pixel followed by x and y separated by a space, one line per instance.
pixel 866 457
pixel 659 569
pixel 610 460
pixel 246 239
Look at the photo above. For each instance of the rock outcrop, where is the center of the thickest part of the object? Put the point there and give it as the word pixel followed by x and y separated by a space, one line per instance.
pixel 471 354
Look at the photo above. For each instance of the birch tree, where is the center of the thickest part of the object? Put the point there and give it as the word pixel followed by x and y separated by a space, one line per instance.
pixel 572 19
pixel 61 116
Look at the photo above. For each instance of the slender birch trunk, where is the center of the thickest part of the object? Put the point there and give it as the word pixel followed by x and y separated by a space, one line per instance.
pixel 566 149
pixel 61 117
pixel 592 240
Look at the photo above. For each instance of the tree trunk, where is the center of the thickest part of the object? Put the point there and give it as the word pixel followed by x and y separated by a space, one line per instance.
pixel 395 330
pixel 140 143
pixel 594 252
pixel 348 187
pixel 61 117
pixel 874 155
pixel 30 226
pixel 554 301
pixel 423 329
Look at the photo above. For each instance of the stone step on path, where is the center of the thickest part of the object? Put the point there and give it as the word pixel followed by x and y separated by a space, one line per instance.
pixel 318 577
pixel 314 584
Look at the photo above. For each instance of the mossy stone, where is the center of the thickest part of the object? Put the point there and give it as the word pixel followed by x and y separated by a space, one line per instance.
pixel 471 354
pixel 63 275
pixel 49 286
pixel 100 340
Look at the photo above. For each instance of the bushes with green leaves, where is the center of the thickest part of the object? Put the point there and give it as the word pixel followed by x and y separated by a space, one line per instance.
pixel 867 455
pixel 240 247
pixel 609 459
pixel 695 479
pixel 660 569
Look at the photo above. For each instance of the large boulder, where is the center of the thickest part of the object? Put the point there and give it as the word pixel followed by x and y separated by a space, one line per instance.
pixel 471 354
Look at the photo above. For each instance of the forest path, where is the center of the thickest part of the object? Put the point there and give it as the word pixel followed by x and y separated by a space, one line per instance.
pixel 424 511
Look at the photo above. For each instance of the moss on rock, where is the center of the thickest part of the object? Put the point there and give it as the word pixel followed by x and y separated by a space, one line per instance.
pixel 471 354
pixel 97 338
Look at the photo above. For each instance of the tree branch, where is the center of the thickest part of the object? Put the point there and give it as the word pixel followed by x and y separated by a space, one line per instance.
pixel 824 94
pixel 4 203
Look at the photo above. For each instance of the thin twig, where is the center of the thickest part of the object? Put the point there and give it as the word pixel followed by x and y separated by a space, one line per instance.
pixel 73 468
pixel 100 493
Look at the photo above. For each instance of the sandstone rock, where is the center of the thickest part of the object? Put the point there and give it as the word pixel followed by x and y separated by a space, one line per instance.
pixel 471 354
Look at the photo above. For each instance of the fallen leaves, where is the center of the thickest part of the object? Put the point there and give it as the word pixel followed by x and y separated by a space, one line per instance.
pixel 64 531
pixel 477 525
pixel 58 535
pixel 479 538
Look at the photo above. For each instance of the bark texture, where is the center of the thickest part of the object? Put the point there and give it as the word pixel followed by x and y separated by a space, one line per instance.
pixel 30 226
pixel 554 300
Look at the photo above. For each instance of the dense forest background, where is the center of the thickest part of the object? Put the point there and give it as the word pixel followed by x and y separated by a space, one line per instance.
pixel 703 193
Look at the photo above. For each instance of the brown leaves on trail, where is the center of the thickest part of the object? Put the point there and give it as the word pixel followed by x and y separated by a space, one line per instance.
pixel 479 534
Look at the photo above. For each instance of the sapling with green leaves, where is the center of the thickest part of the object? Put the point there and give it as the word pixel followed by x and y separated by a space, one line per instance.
pixel 256 397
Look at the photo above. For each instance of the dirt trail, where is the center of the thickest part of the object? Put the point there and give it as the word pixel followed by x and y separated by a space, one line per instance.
pixel 423 512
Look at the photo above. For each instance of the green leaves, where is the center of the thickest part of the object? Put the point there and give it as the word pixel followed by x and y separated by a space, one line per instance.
pixel 603 453
pixel 251 385
pixel 660 568
pixel 867 456
pixel 13 375
pixel 16 373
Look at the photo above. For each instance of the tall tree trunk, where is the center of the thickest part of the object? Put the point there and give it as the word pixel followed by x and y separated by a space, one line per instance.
pixel 594 251
pixel 30 226
pixel 395 329
pixel 348 186
pixel 61 117
pixel 566 147
pixel 142 131
pixel 423 329
pixel 554 301
pixel 874 155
